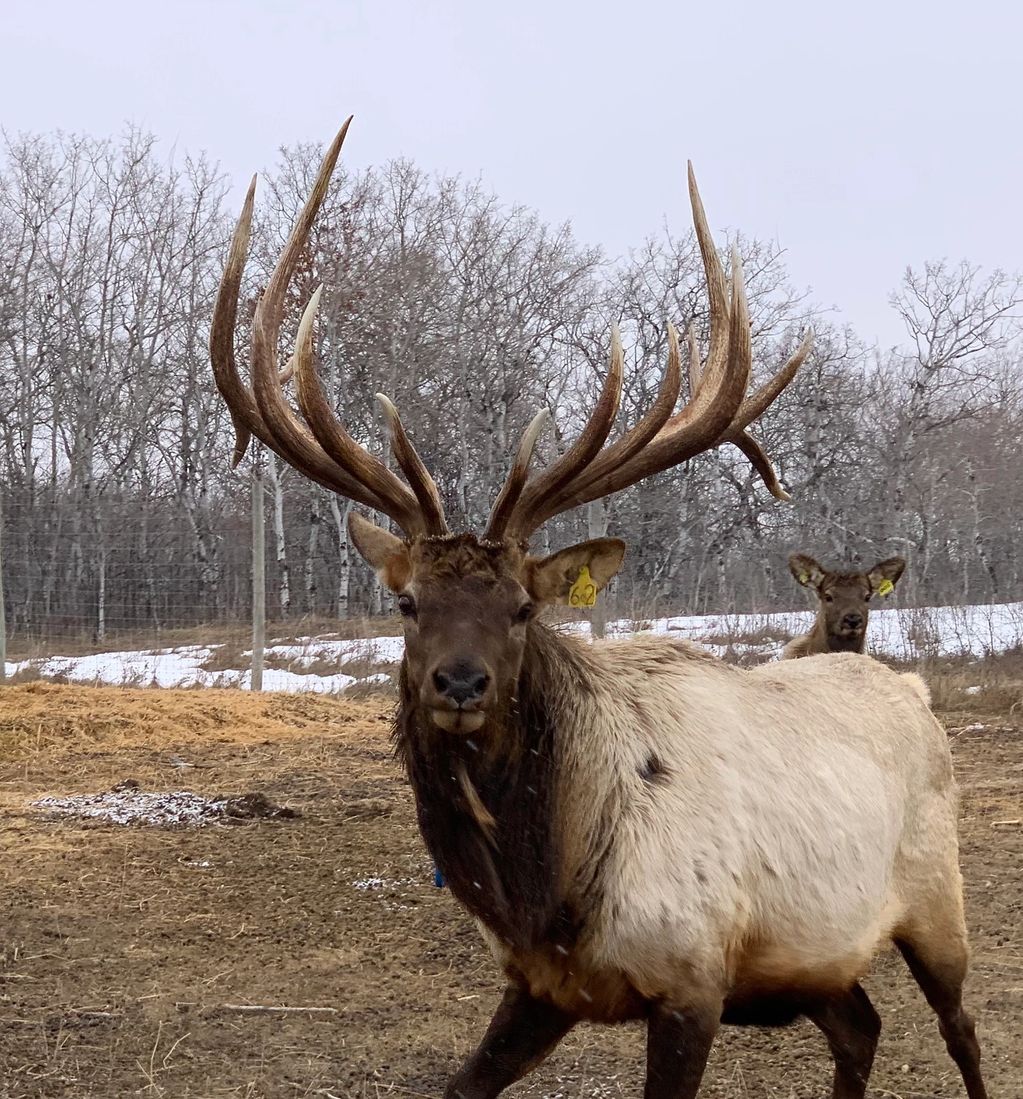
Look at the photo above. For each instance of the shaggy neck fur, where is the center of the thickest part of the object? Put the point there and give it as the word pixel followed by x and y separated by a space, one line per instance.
pixel 488 804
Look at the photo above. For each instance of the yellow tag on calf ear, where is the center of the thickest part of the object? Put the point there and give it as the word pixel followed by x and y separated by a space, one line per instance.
pixel 886 587
pixel 804 578
pixel 583 592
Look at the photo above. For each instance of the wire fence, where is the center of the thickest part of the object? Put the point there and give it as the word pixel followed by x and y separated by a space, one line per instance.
pixel 169 572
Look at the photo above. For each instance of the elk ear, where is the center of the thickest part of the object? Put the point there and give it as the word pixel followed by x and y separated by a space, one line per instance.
pixel 806 570
pixel 382 551
pixel 885 575
pixel 573 576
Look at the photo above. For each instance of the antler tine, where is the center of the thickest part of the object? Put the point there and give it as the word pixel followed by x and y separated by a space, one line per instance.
pixel 345 468
pixel 699 424
pixel 423 485
pixel 760 461
pixel 695 366
pixel 509 495
pixel 240 402
pixel 717 410
pixel 637 437
pixel 752 408
pixel 578 456
pixel 757 403
pixel 335 440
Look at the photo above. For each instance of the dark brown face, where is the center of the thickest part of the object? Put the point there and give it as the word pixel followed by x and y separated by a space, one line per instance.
pixel 465 613
pixel 466 607
pixel 845 597
pixel 845 603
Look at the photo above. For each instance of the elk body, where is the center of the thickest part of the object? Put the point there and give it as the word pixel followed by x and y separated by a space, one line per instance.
pixel 640 831
pixel 843 604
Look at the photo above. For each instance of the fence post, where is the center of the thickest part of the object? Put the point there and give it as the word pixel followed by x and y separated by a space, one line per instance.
pixel 258 577
pixel 3 614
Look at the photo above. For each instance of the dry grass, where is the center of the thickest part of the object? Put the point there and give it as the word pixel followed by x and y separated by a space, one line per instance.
pixel 122 946
pixel 964 686
pixel 763 635
pixel 28 674
pixel 44 717
pixel 315 665
pixel 228 657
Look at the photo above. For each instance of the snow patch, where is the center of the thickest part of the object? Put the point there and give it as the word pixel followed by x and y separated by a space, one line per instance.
pixel 903 634
pixel 127 804
pixel 168 808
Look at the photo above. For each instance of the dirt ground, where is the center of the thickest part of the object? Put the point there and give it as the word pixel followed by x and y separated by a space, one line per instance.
pixel 127 952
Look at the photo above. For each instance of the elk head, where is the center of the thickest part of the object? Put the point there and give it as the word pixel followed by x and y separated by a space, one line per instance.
pixel 467 601
pixel 845 598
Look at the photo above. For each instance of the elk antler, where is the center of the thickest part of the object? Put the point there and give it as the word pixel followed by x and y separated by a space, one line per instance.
pixel 323 450
pixel 752 408
pixel 718 411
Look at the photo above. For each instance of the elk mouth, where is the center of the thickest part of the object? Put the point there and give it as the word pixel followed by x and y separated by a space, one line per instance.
pixel 458 721
pixel 847 640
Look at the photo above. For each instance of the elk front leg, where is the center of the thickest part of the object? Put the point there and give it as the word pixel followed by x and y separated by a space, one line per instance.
pixel 521 1034
pixel 677 1047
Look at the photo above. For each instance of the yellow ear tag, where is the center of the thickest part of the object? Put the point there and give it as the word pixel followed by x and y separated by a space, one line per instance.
pixel 583 592
pixel 804 578
pixel 886 587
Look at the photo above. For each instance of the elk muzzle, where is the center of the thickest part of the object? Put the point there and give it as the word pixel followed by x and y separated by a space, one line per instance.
pixel 852 623
pixel 457 693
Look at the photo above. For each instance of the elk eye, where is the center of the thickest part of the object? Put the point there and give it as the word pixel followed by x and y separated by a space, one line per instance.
pixel 866 598
pixel 523 613
pixel 828 598
pixel 407 606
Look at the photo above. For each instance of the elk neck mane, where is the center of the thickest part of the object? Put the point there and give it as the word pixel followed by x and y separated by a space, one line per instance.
pixel 489 805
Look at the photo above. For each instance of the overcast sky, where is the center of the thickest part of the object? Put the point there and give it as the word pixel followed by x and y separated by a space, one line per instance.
pixel 862 137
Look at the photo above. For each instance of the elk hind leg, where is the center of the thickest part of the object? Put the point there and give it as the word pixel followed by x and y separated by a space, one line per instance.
pixel 852 1027
pixel 938 960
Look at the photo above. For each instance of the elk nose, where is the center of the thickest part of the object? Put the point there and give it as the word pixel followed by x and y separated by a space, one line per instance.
pixel 462 682
pixel 852 621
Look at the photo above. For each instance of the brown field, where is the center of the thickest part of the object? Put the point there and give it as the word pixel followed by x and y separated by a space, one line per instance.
pixel 126 952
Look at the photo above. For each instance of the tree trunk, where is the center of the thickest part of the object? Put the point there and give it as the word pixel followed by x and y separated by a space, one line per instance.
pixel 343 555
pixel 312 550
pixel 280 546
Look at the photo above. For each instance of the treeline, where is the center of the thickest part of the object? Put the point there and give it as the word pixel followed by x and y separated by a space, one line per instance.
pixel 121 509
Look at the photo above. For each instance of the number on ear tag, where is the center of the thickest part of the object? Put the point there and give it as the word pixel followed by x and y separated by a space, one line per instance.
pixel 886 587
pixel 583 592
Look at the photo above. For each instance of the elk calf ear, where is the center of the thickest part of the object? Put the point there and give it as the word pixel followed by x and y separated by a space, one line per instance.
pixel 573 576
pixel 806 570
pixel 885 575
pixel 382 551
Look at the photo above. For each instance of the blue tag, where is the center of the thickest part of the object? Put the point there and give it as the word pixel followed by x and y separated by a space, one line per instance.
pixel 438 878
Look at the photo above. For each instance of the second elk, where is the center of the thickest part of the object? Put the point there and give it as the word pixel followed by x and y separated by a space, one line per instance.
pixel 843 604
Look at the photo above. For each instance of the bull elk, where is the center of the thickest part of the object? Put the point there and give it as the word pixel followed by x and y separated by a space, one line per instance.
pixel 640 831
pixel 843 604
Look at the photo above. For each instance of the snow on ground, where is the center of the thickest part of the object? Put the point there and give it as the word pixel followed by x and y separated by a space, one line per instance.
pixel 125 803
pixel 908 634
pixel 185 666
pixel 904 634
pixel 136 807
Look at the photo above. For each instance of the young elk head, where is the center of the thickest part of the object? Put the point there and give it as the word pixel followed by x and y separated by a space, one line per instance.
pixel 467 602
pixel 845 598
